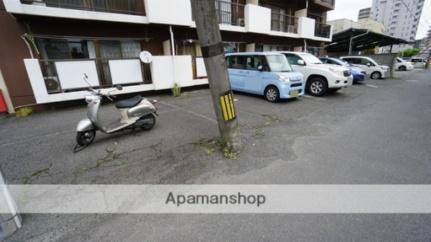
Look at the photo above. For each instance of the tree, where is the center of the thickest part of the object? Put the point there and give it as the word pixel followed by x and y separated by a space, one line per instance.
pixel 410 52
pixel 209 35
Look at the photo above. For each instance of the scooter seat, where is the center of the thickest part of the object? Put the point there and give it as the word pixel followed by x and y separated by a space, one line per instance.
pixel 129 103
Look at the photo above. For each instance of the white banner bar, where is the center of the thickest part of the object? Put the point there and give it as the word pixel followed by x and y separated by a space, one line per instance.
pixel 220 199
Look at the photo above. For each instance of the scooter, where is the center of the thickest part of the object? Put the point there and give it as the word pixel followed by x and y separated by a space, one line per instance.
pixel 136 112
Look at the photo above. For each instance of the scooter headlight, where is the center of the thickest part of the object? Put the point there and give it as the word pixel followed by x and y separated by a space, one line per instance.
pixel 88 99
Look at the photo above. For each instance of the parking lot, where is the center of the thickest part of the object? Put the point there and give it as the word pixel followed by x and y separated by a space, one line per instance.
pixel 373 133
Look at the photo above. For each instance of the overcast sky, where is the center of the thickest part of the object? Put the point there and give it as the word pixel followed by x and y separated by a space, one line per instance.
pixel 350 8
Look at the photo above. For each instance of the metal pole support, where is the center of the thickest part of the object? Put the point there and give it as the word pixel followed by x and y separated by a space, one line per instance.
pixel 10 221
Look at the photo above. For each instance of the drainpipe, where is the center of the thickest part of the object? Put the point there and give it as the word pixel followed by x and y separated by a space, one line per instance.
pixel 171 32
pixel 9 221
pixel 305 46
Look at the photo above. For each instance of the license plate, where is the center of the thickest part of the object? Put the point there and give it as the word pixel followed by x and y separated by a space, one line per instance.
pixel 294 93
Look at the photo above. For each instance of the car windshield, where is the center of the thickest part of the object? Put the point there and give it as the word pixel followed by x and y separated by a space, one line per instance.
pixel 278 63
pixel 310 59
pixel 340 62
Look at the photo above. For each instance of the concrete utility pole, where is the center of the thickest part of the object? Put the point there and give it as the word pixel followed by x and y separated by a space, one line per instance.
pixel 207 27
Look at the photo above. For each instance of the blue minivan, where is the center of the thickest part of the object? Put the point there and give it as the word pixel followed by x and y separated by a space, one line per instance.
pixel 264 73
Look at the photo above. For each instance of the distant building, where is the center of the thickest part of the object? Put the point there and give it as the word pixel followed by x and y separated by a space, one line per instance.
pixel 372 25
pixel 425 45
pixel 340 25
pixel 400 17
pixel 364 13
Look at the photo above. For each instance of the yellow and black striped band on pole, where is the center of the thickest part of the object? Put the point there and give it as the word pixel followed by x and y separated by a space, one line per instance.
pixel 227 106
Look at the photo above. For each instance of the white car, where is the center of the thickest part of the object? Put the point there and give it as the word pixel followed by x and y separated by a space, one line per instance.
pixel 418 62
pixel 320 78
pixel 370 66
pixel 403 65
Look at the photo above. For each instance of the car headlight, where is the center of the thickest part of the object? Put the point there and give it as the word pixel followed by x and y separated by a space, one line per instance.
pixel 283 78
pixel 335 71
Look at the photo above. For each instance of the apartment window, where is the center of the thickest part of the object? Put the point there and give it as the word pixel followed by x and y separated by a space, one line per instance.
pixel 114 49
pixel 63 48
pixel 233 47
pixel 115 6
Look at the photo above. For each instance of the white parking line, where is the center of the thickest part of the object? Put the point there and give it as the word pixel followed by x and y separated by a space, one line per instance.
pixel 372 86
pixel 188 111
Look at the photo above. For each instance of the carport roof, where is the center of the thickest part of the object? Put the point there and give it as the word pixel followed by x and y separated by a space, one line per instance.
pixel 363 39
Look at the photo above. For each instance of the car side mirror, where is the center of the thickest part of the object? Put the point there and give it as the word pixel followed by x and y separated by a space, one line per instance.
pixel 301 62
pixel 260 68
pixel 368 64
pixel 119 87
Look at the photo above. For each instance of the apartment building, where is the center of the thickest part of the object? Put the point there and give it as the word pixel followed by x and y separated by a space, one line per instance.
pixel 400 17
pixel 47 45
pixel 364 13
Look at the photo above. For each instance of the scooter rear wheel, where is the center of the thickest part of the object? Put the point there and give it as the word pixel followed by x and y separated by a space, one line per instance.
pixel 147 122
pixel 85 138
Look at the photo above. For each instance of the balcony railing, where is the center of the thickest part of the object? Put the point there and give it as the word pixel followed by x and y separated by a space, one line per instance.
pixel 230 13
pixel 53 83
pixel 284 23
pixel 134 7
pixel 322 30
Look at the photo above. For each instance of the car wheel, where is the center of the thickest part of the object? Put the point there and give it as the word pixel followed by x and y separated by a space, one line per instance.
pixel 402 68
pixel 317 86
pixel 272 94
pixel 376 75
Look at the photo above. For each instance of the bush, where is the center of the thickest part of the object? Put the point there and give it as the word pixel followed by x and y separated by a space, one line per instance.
pixel 410 52
pixel 23 112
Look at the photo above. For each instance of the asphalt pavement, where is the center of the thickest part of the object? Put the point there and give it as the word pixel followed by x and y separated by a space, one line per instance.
pixel 373 133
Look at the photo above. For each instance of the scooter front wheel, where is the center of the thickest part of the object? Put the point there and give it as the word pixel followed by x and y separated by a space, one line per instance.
pixel 147 122
pixel 85 138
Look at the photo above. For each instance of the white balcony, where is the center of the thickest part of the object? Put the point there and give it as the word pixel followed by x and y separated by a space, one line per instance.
pixel 81 10
pixel 234 17
pixel 257 19
pixel 171 12
pixel 69 84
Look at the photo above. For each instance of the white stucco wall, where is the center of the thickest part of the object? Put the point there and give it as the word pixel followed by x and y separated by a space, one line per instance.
pixel 165 74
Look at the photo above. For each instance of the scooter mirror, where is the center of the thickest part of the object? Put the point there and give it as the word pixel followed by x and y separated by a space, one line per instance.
pixel 119 88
